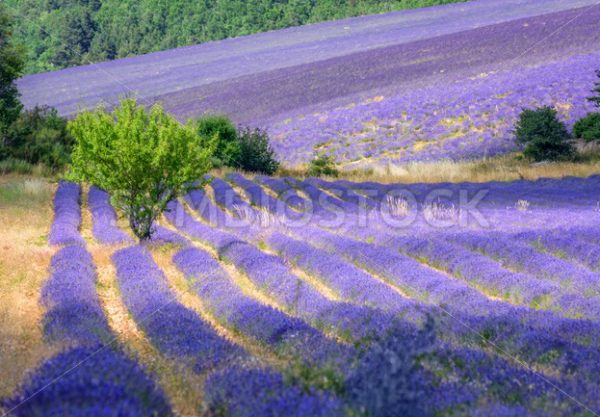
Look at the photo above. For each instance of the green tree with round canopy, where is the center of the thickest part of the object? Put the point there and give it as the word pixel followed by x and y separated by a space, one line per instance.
pixel 143 158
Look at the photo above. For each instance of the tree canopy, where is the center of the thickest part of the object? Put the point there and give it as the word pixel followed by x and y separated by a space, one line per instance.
pixel 143 159
pixel 11 66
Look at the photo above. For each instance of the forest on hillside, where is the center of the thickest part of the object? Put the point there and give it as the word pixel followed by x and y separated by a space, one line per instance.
pixel 62 33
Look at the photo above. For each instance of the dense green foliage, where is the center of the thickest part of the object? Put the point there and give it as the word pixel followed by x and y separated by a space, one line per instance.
pixel 596 98
pixel 40 136
pixel 11 65
pixel 221 131
pixel 36 136
pixel 588 128
pixel 322 165
pixel 144 159
pixel 544 136
pixel 256 154
pixel 62 33
pixel 247 149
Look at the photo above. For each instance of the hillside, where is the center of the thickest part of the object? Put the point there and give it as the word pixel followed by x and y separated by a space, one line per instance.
pixel 64 33
pixel 361 88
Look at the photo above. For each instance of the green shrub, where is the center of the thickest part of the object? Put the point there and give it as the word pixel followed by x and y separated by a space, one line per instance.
pixel 40 136
pixel 588 128
pixel 543 135
pixel 144 159
pixel 220 130
pixel 323 165
pixel 256 155
pixel 596 97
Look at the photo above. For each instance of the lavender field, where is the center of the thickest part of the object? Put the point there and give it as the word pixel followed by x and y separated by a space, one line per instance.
pixel 271 296
pixel 176 278
pixel 426 84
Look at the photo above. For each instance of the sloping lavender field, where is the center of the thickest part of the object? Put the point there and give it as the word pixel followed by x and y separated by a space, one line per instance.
pixel 440 82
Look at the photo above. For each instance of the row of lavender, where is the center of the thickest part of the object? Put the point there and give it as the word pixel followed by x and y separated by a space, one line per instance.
pixel 260 267
pixel 145 292
pixel 573 294
pixel 75 317
pixel 475 268
pixel 467 118
pixel 361 309
pixel 468 308
pixel 91 376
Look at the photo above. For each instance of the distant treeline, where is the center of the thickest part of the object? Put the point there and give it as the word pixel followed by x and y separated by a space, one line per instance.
pixel 63 33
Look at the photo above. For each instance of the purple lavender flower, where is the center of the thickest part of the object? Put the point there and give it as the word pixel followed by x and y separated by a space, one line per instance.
pixel 104 218
pixel 564 243
pixel 518 256
pixel 226 197
pixel 350 282
pixel 286 334
pixel 284 191
pixel 74 313
pixel 92 381
pixel 91 378
pixel 265 393
pixel 67 215
pixel 177 331
pixel 163 236
pixel 273 277
pixel 256 194
pixel 486 274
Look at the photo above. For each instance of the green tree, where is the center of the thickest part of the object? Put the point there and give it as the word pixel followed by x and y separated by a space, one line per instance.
pixel 543 135
pixel 256 154
pixel 40 136
pixel 144 159
pixel 11 65
pixel 77 31
pixel 596 98
pixel 222 132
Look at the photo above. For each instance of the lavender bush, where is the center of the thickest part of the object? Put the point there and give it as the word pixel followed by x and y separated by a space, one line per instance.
pixel 92 377
pixel 104 218
pixel 286 334
pixel 67 215
pixel 89 382
pixel 73 313
pixel 265 393
pixel 174 329
pixel 515 304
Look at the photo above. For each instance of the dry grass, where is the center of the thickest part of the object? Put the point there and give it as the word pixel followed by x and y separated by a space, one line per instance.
pixel 505 168
pixel 502 168
pixel 25 216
